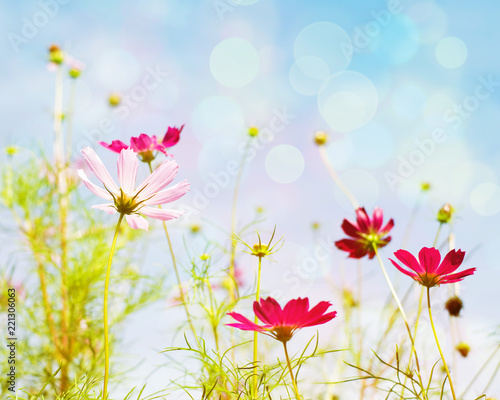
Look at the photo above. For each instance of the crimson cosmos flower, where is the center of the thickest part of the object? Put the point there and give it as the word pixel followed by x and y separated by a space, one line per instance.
pixel 145 146
pixel 366 233
pixel 428 271
pixel 281 324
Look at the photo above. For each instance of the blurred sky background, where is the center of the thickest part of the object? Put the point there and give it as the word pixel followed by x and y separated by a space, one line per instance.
pixel 381 78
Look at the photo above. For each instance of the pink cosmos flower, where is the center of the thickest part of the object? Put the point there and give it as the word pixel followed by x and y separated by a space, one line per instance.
pixel 145 146
pixel 281 324
pixel 366 233
pixel 134 202
pixel 428 271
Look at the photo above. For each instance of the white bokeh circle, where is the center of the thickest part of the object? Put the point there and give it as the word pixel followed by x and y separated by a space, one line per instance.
pixel 347 101
pixel 324 41
pixel 485 199
pixel 234 62
pixel 308 74
pixel 285 163
pixel 451 52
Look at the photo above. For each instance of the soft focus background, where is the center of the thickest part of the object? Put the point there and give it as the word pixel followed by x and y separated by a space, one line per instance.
pixel 408 91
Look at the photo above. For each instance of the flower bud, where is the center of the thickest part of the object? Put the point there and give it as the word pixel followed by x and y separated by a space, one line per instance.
pixel 463 349
pixel 11 150
pixel 320 138
pixel 56 55
pixel 425 186
pixel 253 131
pixel 195 228
pixel 74 73
pixel 315 225
pixel 114 99
pixel 454 305
pixel 348 298
pixel 445 213
pixel 204 257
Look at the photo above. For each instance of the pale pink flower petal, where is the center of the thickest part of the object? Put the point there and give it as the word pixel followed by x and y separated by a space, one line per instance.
pixel 137 222
pixel 160 178
pixel 109 208
pixel 98 168
pixel 93 188
pixel 171 194
pixel 127 170
pixel 164 215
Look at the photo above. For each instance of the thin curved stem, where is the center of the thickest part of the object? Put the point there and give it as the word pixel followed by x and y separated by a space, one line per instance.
pixel 437 342
pixel 403 314
pixel 480 371
pixel 295 388
pixel 255 334
pixel 343 188
pixel 177 275
pixel 232 283
pixel 106 292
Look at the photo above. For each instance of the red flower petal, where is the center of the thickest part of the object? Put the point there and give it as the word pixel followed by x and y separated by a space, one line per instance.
pixel 451 262
pixel 295 310
pixel 172 136
pixel 377 219
pixel 429 258
pixel 363 220
pixel 409 260
pixel 116 145
pixel 458 276
pixel 350 229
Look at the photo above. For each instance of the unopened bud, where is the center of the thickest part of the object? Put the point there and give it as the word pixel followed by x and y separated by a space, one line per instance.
pixel 454 305
pixel 204 257
pixel 74 73
pixel 445 213
pixel 425 186
pixel 320 138
pixel 114 99
pixel 315 225
pixel 463 349
pixel 56 55
pixel 253 131
pixel 11 150
pixel 195 228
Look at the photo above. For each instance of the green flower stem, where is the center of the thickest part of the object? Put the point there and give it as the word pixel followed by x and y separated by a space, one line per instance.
pixel 437 342
pixel 62 189
pixel 296 390
pixel 177 276
pixel 419 312
pixel 232 284
pixel 106 292
pixel 403 314
pixel 255 334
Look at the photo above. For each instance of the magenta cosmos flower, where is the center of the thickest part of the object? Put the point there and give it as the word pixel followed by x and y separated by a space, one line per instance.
pixel 281 324
pixel 130 202
pixel 428 271
pixel 365 233
pixel 146 146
